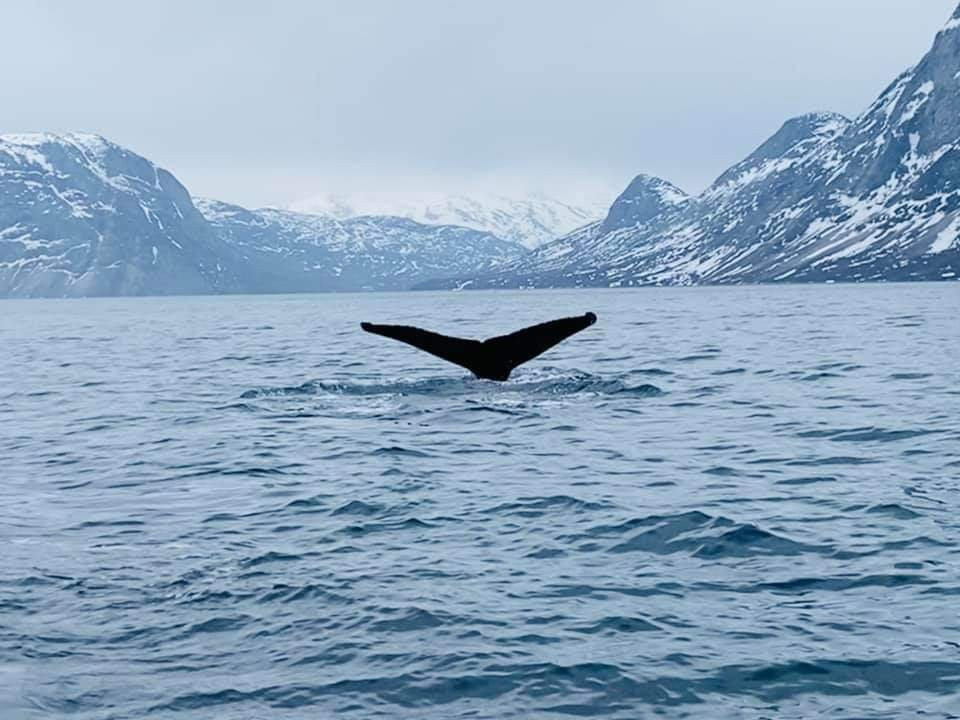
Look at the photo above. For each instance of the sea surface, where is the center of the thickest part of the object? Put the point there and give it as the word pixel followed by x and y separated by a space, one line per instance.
pixel 714 503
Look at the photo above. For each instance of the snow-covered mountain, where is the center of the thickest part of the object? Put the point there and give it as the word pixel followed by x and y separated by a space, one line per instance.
pixel 825 198
pixel 531 220
pixel 81 216
pixel 297 252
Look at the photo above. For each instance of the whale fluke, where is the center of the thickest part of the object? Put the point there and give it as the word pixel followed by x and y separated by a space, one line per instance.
pixel 492 359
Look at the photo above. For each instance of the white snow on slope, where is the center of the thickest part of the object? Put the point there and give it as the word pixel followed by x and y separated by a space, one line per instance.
pixel 946 238
pixel 531 220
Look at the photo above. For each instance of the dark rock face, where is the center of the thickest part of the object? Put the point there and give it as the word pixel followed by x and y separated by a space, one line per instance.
pixel 824 199
pixel 80 216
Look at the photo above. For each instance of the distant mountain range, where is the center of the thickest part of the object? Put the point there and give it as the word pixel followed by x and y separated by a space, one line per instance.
pixel 286 251
pixel 81 216
pixel 824 199
pixel 876 198
pixel 531 220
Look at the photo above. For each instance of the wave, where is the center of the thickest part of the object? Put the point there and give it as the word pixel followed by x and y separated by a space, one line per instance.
pixel 866 434
pixel 594 688
pixel 697 534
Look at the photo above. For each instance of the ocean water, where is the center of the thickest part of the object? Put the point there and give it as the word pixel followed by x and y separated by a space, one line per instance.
pixel 716 502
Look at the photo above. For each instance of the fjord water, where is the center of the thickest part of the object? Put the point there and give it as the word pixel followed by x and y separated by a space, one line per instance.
pixel 716 502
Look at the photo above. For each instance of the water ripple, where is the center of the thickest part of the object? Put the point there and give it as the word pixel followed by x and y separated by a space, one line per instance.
pixel 246 508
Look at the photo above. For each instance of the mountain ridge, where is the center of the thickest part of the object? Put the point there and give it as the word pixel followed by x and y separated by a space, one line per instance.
pixel 82 216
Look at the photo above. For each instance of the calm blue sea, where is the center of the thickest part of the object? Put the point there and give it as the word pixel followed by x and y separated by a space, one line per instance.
pixel 715 503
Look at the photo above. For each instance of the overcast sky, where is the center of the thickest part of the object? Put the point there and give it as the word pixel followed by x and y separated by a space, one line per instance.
pixel 269 102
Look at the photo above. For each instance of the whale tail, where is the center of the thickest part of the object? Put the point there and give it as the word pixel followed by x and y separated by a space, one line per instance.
pixel 494 358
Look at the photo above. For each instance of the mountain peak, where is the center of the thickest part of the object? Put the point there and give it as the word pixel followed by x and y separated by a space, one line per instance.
pixel 795 139
pixel 819 123
pixel 801 129
pixel 646 197
pixel 953 23
pixel 947 42
pixel 87 141
pixel 84 153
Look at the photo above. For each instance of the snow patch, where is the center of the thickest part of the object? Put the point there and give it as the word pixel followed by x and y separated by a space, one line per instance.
pixel 24 153
pixel 920 97
pixel 946 237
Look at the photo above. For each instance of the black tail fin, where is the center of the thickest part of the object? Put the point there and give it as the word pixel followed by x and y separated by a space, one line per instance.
pixel 493 359
pixel 452 349
pixel 524 345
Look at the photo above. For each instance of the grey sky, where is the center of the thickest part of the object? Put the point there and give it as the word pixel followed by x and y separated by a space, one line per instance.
pixel 268 102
